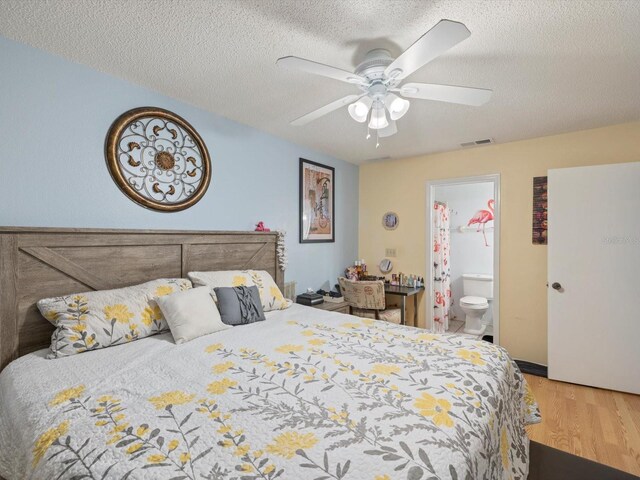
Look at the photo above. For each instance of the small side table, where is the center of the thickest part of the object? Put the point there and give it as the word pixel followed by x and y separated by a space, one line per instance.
pixel 342 307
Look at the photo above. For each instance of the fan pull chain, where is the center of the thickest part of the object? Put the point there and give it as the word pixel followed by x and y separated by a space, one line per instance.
pixel 368 117
pixel 369 131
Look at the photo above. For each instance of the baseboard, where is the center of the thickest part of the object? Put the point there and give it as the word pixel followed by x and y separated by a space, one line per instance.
pixel 532 368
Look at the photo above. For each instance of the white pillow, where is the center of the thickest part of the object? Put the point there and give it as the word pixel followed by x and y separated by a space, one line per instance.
pixel 270 295
pixel 191 314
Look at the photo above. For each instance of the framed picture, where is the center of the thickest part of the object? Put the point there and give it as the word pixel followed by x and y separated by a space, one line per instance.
pixel 317 207
pixel 390 220
pixel 539 227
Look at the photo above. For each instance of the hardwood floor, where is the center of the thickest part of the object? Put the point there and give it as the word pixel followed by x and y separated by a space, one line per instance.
pixel 600 425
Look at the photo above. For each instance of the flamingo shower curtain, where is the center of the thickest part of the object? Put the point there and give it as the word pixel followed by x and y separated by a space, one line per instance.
pixel 441 268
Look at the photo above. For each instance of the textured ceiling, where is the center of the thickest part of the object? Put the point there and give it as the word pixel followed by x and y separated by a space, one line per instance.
pixel 554 65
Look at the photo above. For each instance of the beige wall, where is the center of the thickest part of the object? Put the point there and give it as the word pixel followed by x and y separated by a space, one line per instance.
pixel 399 185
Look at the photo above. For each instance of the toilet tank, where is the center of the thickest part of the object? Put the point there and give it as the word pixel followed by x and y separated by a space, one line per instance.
pixel 478 285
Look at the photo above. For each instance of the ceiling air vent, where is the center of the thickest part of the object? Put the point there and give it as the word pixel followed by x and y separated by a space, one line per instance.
pixel 475 143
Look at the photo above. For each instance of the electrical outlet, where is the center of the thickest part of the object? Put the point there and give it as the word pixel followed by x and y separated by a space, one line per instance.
pixel 390 252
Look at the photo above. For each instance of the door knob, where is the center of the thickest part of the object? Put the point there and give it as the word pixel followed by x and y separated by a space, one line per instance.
pixel 556 286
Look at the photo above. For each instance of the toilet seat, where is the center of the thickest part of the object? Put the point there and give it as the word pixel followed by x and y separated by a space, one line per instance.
pixel 474 302
pixel 474 309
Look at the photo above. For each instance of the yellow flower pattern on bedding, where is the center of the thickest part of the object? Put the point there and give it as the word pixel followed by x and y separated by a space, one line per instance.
pixel 118 313
pixel 277 296
pixel 529 399
pixel 222 367
pixel 384 369
pixel 213 348
pixel 271 297
pixel 504 448
pixel 372 401
pixel 289 348
pixel 156 458
pixel 164 290
pixel 438 409
pixel 152 315
pixel 239 281
pixel 94 320
pixel 48 438
pixel 51 315
pixel 171 398
pixel 287 444
pixel 67 395
pixel 221 386
pixel 473 357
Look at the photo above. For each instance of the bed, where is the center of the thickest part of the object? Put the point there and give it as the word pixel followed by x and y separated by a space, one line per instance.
pixel 305 394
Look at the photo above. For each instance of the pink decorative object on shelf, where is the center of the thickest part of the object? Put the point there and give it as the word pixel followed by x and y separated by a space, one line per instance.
pixel 261 228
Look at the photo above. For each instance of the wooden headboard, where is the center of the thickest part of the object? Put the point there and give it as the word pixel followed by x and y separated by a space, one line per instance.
pixel 38 263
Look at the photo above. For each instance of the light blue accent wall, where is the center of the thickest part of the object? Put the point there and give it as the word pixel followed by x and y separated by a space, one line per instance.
pixel 54 116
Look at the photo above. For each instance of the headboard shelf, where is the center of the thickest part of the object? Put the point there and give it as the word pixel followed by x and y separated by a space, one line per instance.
pixel 43 262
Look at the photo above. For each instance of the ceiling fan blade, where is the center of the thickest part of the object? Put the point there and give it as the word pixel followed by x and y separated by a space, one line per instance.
pixel 316 68
pixel 310 117
pixel 443 36
pixel 389 130
pixel 446 93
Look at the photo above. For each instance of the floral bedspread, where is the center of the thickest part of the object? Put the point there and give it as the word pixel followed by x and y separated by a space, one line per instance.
pixel 307 394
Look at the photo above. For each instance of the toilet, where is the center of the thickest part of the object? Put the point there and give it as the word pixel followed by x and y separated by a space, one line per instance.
pixel 478 290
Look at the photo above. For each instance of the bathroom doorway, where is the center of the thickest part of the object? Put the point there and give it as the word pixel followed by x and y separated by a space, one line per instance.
pixel 463 250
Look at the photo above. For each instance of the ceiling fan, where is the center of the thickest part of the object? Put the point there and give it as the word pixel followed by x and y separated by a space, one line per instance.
pixel 379 78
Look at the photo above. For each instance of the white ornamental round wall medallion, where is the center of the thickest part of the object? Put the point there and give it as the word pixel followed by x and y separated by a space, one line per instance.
pixel 158 159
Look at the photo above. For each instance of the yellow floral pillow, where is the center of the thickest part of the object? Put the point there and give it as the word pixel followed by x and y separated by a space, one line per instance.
pixel 93 320
pixel 270 295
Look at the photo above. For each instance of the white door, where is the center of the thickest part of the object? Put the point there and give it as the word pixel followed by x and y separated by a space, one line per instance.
pixel 594 276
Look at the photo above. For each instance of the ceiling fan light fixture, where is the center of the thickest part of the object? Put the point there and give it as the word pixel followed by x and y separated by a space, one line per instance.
pixel 360 110
pixel 397 106
pixel 380 80
pixel 378 118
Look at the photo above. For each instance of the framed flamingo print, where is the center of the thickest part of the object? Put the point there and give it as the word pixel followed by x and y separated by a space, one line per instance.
pixel 317 202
